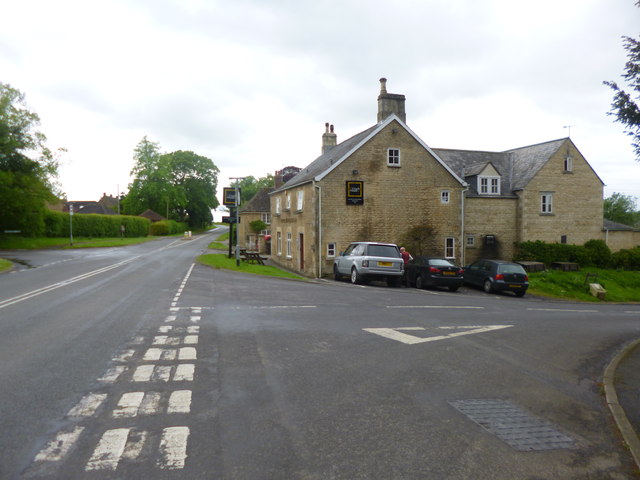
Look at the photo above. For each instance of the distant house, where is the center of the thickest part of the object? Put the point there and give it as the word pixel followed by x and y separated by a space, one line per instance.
pixel 87 207
pixel 151 215
pixel 385 180
pixel 257 208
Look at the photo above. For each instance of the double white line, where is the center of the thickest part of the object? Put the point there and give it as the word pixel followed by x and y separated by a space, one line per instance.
pixel 84 276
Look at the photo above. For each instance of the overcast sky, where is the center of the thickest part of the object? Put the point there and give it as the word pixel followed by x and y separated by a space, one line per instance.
pixel 250 83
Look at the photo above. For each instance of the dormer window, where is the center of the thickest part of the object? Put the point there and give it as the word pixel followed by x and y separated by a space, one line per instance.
pixel 393 157
pixel 489 185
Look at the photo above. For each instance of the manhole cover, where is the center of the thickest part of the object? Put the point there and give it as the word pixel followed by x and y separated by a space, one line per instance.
pixel 513 425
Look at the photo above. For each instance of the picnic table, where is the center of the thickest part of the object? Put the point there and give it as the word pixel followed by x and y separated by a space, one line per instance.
pixel 566 266
pixel 252 257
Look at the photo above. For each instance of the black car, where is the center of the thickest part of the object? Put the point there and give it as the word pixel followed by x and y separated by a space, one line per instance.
pixel 434 272
pixel 496 275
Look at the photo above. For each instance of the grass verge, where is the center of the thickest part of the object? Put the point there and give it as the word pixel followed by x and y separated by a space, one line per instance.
pixel 221 260
pixel 26 243
pixel 5 264
pixel 621 285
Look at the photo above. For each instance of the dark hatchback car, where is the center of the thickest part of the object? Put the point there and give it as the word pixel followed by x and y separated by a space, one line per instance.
pixel 497 275
pixel 434 272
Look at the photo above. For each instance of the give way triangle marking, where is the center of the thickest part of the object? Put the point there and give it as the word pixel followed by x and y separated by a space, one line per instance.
pixel 398 335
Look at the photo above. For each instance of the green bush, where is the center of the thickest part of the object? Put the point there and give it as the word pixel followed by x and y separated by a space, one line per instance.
pixel 56 224
pixel 167 227
pixel 627 259
pixel 593 253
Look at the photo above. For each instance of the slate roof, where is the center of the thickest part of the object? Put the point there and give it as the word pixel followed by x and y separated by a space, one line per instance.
pixel 326 162
pixel 610 225
pixel 259 202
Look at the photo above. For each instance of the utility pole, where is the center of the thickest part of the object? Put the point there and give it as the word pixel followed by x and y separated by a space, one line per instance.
pixel 237 198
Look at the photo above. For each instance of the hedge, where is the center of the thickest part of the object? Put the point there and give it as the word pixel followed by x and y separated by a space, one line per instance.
pixel 167 227
pixel 94 225
pixel 594 253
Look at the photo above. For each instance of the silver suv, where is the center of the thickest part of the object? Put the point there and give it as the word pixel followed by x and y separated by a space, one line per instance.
pixel 363 261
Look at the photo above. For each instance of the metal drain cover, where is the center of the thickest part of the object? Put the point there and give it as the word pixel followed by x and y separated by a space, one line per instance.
pixel 513 425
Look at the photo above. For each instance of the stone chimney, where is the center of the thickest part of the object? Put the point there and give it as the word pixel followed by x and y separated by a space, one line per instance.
pixel 389 103
pixel 329 139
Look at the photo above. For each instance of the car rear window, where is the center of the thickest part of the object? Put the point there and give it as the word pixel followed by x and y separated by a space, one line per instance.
pixel 440 262
pixel 383 251
pixel 511 269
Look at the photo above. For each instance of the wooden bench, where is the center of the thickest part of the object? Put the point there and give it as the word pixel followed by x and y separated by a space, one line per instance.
pixel 532 266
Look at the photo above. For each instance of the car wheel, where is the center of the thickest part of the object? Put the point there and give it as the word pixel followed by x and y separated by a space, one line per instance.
pixel 355 276
pixel 419 282
pixel 453 289
pixel 336 274
pixel 520 293
pixel 487 286
pixel 393 281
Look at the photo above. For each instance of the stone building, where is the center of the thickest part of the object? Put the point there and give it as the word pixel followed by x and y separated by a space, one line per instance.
pixel 385 180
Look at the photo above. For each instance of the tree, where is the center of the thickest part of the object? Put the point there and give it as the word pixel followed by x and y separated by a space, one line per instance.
pixel 249 186
pixel 622 209
pixel 625 105
pixel 27 167
pixel 180 185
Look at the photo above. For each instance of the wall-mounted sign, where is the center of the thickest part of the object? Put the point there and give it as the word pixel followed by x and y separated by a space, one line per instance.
pixel 229 197
pixel 355 192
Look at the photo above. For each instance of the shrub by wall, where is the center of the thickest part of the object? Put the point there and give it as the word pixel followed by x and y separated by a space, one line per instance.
pixel 92 225
pixel 594 253
pixel 627 259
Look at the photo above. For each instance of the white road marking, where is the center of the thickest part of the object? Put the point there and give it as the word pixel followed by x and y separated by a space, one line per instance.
pixel 88 405
pixel 161 374
pixel 395 334
pixel 171 318
pixel 194 318
pixel 193 329
pixel 128 405
pixel 165 328
pixel 112 374
pixel 560 310
pixel 454 307
pixel 143 373
pixel 187 353
pixel 139 340
pixel 173 448
pixel 196 310
pixel 49 288
pixel 58 448
pixel 184 372
pixel 154 354
pixel 160 340
pixel 109 450
pixel 150 404
pixel 179 402
pixel 124 356
pixel 135 442
pixel 190 339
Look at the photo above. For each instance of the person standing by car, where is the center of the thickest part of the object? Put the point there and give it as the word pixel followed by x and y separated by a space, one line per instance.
pixel 406 257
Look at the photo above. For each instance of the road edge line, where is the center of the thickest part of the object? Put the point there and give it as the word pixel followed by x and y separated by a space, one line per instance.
pixel 620 417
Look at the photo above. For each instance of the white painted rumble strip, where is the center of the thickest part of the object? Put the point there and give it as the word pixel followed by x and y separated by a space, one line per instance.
pixel 179 402
pixel 128 405
pixel 561 310
pixel 194 318
pixel 134 445
pixel 196 309
pixel 160 339
pixel 187 353
pixel 109 450
pixel 190 340
pixel 165 328
pixel 143 373
pixel 150 404
pixel 112 374
pixel 161 374
pixel 84 276
pixel 436 306
pixel 193 329
pixel 184 372
pixel 124 356
pixel 171 318
pixel 173 448
pixel 88 405
pixel 154 354
pixel 59 447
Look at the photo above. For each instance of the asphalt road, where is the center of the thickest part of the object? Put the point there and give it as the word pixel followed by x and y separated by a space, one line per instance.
pixel 162 368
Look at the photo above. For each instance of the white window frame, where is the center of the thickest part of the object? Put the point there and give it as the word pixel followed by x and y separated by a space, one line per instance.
pixel 393 157
pixel 278 205
pixel 568 163
pixel 489 185
pixel 445 196
pixel 287 203
pixel 450 247
pixel 331 250
pixel 300 200
pixel 289 245
pixel 279 242
pixel 266 217
pixel 546 203
pixel 471 241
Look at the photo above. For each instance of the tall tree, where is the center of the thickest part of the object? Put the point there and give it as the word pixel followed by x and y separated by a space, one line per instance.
pixel 27 167
pixel 625 105
pixel 249 186
pixel 622 209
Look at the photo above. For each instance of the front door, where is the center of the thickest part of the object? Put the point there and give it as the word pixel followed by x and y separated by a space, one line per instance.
pixel 301 243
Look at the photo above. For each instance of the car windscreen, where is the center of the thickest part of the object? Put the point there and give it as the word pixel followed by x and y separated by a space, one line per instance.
pixel 511 269
pixel 383 251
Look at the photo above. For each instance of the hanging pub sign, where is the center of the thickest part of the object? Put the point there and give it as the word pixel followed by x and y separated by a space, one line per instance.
pixel 355 192
pixel 229 197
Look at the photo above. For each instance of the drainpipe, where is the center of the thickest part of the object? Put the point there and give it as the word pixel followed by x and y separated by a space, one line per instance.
pixel 463 243
pixel 319 213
